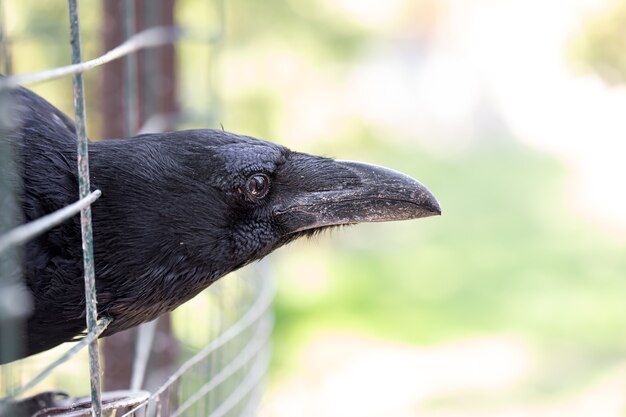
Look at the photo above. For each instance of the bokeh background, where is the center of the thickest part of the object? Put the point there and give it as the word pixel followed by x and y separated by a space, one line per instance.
pixel 513 112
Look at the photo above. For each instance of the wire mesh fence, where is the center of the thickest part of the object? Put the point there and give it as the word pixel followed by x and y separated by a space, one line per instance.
pixel 223 356
pixel 235 359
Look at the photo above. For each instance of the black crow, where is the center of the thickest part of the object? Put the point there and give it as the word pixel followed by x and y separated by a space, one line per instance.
pixel 178 211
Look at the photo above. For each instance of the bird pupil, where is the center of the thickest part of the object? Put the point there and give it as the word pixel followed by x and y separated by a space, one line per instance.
pixel 257 185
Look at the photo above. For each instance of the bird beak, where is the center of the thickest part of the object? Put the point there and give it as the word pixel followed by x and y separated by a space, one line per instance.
pixel 355 192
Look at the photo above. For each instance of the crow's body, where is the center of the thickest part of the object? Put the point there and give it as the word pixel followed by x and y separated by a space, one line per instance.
pixel 178 211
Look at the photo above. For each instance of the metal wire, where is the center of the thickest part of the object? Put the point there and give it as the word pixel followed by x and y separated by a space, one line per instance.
pixel 26 232
pixel 143 346
pixel 252 349
pixel 90 337
pixel 148 38
pixel 15 300
pixel 131 71
pixel 257 311
pixel 252 379
pixel 145 333
pixel 7 65
pixel 261 305
pixel 82 145
pixel 152 68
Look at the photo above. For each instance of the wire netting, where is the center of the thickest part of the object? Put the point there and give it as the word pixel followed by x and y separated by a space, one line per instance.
pixel 224 333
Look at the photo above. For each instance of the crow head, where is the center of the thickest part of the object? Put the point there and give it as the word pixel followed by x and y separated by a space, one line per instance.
pixel 270 195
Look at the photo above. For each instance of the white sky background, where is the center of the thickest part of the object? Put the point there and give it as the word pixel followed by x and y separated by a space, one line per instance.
pixel 499 64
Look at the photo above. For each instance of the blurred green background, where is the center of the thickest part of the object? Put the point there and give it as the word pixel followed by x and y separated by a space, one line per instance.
pixel 511 112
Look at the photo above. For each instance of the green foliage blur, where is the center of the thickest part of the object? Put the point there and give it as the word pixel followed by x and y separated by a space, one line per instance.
pixel 508 255
pixel 600 47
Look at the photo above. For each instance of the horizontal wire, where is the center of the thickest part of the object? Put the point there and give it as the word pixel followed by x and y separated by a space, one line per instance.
pixel 27 231
pixel 253 348
pixel 251 406
pixel 149 38
pixel 253 378
pixel 254 401
pixel 256 311
pixel 90 337
pixel 52 35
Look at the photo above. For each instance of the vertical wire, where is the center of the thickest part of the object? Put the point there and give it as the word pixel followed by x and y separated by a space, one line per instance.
pixel 85 214
pixel 217 325
pixel 159 407
pixel 151 70
pixel 131 71
pixel 210 361
pixel 143 345
pixel 214 52
pixel 14 301
pixel 5 53
pixel 131 121
pixel 145 332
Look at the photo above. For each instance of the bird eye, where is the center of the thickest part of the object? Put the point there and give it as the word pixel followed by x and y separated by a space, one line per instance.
pixel 258 185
